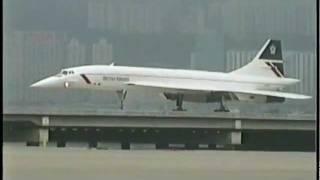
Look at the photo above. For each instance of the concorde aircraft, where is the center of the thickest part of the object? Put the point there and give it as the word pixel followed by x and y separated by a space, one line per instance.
pixel 259 81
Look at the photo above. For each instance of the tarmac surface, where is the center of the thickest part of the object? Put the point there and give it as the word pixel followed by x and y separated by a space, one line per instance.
pixel 37 163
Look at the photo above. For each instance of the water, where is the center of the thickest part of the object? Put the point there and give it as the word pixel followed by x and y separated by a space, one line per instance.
pixel 36 163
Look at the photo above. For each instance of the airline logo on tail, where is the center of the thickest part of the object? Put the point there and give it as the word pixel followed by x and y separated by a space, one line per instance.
pixel 272 51
pixel 272 57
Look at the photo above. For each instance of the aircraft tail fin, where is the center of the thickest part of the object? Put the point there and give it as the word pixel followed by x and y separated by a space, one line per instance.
pixel 268 61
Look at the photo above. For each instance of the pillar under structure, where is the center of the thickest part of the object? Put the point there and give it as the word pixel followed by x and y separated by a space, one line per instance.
pixel 43 136
pixel 39 135
pixel 235 136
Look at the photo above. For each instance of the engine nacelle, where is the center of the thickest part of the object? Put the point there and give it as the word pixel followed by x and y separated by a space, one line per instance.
pixel 258 98
pixel 215 97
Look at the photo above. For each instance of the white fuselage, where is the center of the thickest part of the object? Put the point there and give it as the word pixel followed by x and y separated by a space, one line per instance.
pixel 104 77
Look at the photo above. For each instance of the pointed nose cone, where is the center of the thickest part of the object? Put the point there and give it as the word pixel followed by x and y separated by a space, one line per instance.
pixel 47 83
pixel 37 84
pixel 34 85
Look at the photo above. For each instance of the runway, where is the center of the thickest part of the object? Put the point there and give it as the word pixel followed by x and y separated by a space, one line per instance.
pixel 34 163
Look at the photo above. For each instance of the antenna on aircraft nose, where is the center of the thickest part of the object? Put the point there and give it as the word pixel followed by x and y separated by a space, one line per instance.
pixel 112 64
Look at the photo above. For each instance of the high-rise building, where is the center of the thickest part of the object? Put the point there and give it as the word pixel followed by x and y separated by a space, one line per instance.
pixel 301 65
pixel 268 17
pixel 102 52
pixel 146 16
pixel 31 55
pixel 237 59
pixel 76 53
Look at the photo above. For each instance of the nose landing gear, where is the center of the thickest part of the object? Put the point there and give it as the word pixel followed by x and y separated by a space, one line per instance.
pixel 222 107
pixel 179 101
pixel 122 96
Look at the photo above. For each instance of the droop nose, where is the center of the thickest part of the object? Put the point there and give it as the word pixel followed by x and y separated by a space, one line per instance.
pixel 48 83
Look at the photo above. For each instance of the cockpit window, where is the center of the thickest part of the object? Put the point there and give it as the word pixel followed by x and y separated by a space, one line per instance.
pixel 64 73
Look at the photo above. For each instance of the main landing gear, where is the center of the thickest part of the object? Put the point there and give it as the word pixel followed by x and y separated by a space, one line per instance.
pixel 222 107
pixel 179 101
pixel 122 96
